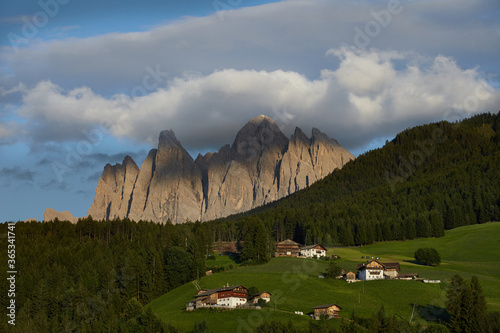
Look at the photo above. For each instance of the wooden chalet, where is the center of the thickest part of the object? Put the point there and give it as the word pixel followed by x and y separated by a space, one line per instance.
pixel 312 251
pixel 350 277
pixel 266 296
pixel 229 296
pixel 329 310
pixel 287 248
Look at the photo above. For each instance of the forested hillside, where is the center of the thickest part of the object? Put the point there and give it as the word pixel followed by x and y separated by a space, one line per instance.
pixel 96 276
pixel 427 179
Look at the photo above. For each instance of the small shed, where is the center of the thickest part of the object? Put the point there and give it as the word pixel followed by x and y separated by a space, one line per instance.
pixel 391 269
pixel 350 277
pixel 266 296
pixel 328 310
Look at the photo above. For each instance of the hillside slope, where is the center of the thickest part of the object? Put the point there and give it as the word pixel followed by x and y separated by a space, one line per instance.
pixel 427 179
pixel 295 285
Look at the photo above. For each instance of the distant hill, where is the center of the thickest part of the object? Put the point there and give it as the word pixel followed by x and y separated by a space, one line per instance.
pixel 427 179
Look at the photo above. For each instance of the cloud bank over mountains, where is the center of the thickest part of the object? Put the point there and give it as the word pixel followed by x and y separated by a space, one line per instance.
pixel 368 93
pixel 297 60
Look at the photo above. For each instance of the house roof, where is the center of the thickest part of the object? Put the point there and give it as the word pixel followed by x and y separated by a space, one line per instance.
pixel 312 247
pixel 207 293
pixel 363 265
pixel 326 306
pixel 392 265
pixel 261 294
pixel 385 265
pixel 408 275
pixel 288 242
pixel 211 291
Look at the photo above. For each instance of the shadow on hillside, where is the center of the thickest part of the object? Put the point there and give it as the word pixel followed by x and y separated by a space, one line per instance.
pixel 416 263
pixel 433 313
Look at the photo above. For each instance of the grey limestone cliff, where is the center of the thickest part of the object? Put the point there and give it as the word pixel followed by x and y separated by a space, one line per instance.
pixel 52 214
pixel 261 166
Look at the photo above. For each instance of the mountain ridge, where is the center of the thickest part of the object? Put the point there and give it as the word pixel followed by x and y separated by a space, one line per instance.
pixel 262 165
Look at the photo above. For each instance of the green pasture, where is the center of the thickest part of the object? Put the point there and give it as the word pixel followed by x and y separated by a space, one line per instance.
pixel 295 285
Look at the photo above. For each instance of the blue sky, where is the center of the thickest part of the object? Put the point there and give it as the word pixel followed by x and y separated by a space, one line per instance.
pixel 83 83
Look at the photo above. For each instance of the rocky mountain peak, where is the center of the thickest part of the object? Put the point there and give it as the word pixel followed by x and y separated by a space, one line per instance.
pixel 299 136
pixel 317 135
pixel 257 135
pixel 129 162
pixel 262 119
pixel 52 214
pixel 168 139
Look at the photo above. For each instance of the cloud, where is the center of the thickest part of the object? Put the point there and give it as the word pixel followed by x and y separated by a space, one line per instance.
pixel 205 78
pixel 354 103
pixel 18 173
pixel 54 185
pixel 288 35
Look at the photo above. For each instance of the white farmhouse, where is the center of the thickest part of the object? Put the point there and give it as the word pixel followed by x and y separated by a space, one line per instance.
pixel 313 250
pixel 232 296
pixel 374 270
pixel 371 271
pixel 228 296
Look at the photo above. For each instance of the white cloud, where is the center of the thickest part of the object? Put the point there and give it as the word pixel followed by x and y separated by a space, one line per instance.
pixel 365 72
pixel 205 110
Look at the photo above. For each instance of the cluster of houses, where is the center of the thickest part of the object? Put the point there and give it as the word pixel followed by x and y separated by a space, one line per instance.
pixel 289 248
pixel 227 297
pixel 371 270
pixel 232 297
pixel 237 296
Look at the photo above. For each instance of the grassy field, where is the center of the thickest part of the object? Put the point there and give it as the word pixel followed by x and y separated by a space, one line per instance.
pixel 295 286
pixel 468 251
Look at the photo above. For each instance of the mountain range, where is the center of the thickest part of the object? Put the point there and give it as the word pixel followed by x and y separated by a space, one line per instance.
pixel 261 166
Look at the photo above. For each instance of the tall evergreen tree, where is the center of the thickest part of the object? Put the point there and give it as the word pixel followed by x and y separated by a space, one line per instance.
pixel 478 307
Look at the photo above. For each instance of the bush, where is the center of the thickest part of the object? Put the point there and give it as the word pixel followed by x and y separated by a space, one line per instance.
pixel 333 271
pixel 252 291
pixel 262 303
pixel 428 256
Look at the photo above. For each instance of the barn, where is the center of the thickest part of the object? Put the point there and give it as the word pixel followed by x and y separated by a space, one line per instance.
pixel 287 248
pixel 328 310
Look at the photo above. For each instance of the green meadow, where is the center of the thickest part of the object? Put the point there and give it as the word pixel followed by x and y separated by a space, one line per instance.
pixel 295 285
